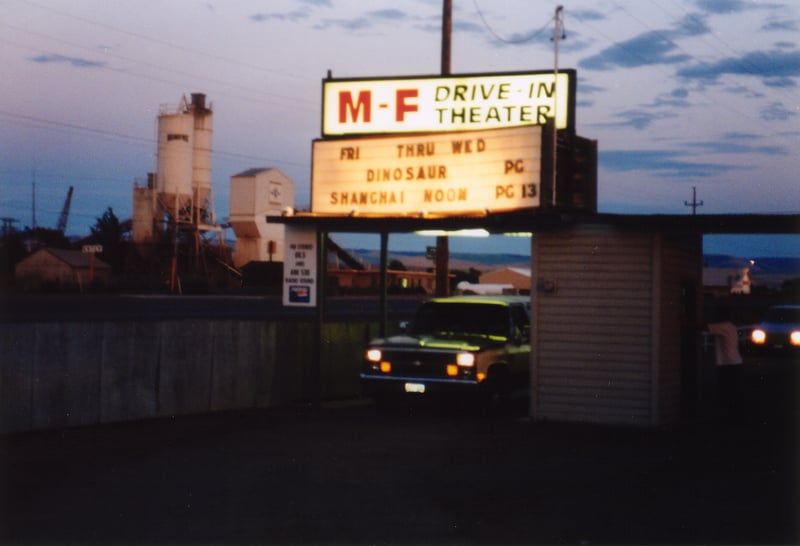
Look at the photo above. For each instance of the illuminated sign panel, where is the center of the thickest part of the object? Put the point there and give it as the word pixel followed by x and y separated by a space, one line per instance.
pixel 445 173
pixel 449 103
pixel 300 267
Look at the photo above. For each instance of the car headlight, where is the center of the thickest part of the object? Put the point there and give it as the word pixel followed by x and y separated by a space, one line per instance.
pixel 794 338
pixel 465 359
pixel 758 336
pixel 374 355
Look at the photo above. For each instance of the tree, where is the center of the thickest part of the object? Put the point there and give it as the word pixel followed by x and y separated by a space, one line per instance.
pixel 109 232
pixel 396 265
pixel 108 227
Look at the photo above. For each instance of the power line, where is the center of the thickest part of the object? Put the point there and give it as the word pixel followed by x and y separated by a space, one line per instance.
pixel 75 127
pixel 193 51
pixel 523 40
pixel 149 141
pixel 171 70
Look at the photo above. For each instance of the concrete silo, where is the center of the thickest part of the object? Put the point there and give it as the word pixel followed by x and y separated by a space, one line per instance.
pixel 178 194
pixel 201 161
pixel 174 164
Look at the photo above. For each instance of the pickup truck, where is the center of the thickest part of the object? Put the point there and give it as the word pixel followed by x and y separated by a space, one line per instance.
pixel 464 344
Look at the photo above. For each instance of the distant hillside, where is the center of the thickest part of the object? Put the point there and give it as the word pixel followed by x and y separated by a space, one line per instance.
pixel 765 271
pixel 458 260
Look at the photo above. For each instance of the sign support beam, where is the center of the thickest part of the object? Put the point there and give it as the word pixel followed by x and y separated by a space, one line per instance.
pixel 442 242
pixel 384 303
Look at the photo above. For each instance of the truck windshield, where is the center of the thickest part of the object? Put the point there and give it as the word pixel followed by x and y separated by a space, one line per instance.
pixel 461 318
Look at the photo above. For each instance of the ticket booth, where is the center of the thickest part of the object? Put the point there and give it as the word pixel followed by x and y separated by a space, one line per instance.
pixel 614 324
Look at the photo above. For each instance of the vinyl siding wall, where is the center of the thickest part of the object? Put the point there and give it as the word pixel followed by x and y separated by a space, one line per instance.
pixel 598 337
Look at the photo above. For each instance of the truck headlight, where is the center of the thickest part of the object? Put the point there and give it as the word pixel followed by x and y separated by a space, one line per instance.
pixel 466 360
pixel 794 338
pixel 374 355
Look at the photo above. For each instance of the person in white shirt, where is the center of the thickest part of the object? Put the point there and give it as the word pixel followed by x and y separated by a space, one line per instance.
pixel 729 362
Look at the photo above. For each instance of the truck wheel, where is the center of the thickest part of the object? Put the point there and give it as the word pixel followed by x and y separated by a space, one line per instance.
pixel 498 390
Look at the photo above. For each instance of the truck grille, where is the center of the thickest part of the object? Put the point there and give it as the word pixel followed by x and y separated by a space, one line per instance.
pixel 416 364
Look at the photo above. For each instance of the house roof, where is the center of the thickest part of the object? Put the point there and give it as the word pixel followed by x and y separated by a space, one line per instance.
pixel 521 271
pixel 254 171
pixel 75 258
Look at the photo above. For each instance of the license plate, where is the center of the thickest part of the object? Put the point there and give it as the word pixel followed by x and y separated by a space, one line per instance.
pixel 415 387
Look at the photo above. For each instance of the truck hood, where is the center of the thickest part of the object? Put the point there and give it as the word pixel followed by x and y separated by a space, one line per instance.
pixel 454 342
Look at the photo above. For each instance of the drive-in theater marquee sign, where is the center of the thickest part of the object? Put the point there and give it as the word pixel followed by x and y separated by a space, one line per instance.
pixel 435 145
pixel 426 147
pixel 437 173
pixel 448 103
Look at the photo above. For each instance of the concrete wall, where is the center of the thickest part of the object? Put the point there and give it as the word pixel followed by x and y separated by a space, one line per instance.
pixel 63 374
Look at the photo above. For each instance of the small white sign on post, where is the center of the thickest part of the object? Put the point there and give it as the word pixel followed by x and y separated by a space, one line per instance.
pixel 92 249
pixel 300 267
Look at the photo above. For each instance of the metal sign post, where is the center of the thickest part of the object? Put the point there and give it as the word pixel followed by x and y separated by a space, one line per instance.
pixel 91 250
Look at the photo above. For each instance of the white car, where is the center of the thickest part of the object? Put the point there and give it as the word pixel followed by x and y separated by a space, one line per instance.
pixel 779 330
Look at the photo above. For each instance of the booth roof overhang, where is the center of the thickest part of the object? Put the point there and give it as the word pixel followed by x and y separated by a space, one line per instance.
pixel 537 220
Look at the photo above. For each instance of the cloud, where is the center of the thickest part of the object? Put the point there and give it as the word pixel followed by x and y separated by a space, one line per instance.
pixel 677 98
pixel 389 14
pixel 369 20
pixel 738 146
pixel 769 65
pixel 644 50
pixel 779 24
pixel 744 91
pixel 463 26
pixel 679 163
pixel 584 15
pixel 292 16
pixel 359 23
pixel 787 83
pixel 720 7
pixel 660 163
pixel 740 136
pixel 649 48
pixel 637 119
pixel 776 112
pixel 690 25
pixel 76 62
pixel 586 88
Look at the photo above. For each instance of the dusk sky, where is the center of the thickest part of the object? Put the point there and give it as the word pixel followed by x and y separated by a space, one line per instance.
pixel 678 94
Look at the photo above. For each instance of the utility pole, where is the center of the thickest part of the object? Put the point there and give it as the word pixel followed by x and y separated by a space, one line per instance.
pixel 8 225
pixel 33 211
pixel 442 242
pixel 557 31
pixel 447 31
pixel 695 203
